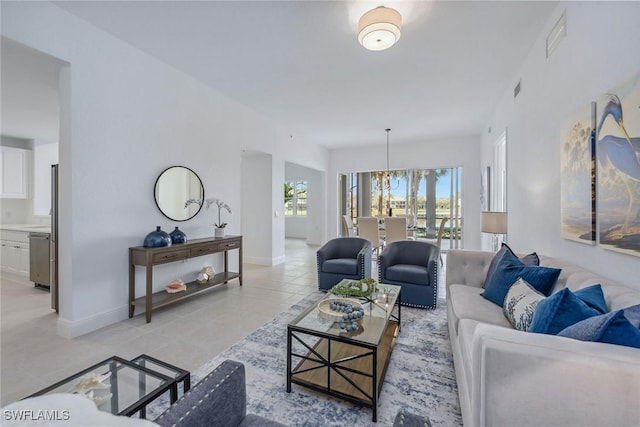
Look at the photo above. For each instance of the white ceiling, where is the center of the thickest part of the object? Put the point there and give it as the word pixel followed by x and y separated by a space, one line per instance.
pixel 299 62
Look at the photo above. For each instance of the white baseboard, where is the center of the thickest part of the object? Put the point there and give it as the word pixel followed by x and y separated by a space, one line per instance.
pixel 72 329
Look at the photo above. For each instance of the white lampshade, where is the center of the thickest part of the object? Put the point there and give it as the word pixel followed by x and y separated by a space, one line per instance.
pixel 379 28
pixel 494 222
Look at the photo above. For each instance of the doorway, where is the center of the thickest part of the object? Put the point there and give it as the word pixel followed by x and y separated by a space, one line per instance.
pixel 35 94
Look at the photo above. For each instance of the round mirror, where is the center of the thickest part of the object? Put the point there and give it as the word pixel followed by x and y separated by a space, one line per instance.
pixel 179 193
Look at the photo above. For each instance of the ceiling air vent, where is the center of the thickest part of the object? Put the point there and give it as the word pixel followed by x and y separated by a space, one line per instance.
pixel 557 34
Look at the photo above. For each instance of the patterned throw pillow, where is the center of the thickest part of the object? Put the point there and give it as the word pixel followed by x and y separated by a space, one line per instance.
pixel 520 304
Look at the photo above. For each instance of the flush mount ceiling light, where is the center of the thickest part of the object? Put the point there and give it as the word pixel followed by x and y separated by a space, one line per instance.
pixel 379 28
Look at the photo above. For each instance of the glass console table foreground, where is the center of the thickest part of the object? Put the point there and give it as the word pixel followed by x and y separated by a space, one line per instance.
pixel 348 365
pixel 128 386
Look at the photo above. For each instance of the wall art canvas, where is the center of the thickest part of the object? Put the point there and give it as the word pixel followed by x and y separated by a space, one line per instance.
pixel 618 165
pixel 577 188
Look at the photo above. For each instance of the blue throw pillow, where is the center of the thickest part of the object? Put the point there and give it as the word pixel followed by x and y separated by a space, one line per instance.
pixel 559 311
pixel 531 259
pixel 509 269
pixel 593 297
pixel 621 327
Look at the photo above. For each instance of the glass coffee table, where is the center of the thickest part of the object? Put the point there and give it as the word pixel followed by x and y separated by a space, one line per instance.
pixel 350 365
pixel 127 386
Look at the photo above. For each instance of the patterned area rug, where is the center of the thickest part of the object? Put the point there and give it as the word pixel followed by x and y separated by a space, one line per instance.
pixel 420 377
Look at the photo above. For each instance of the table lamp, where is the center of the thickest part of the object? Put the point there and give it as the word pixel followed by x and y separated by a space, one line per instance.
pixel 494 223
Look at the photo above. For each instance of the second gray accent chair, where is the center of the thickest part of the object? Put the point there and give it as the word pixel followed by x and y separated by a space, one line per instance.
pixel 413 265
pixel 343 258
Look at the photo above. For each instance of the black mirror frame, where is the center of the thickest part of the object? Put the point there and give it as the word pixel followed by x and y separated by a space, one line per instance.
pixel 156 199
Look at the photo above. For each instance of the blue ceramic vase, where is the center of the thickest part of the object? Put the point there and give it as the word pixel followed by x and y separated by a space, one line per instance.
pixel 178 236
pixel 157 239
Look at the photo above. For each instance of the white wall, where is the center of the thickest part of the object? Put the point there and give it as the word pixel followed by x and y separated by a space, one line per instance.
pixel 602 48
pixel 445 153
pixel 131 116
pixel 317 211
pixel 256 208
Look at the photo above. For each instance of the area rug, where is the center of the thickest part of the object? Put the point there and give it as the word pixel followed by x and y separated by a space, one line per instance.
pixel 420 377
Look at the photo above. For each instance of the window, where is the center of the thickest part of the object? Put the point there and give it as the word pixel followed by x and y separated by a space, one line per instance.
pixel 425 196
pixel 295 198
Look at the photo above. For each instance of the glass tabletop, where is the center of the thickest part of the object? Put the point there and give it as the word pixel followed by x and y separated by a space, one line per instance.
pixel 115 385
pixel 160 366
pixel 371 326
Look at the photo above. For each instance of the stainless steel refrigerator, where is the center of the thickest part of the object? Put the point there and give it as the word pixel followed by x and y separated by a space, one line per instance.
pixel 53 253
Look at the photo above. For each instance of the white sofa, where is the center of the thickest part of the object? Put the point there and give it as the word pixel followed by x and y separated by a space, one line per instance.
pixel 510 378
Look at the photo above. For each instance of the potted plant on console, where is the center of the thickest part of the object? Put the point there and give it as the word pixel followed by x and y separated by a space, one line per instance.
pixel 219 226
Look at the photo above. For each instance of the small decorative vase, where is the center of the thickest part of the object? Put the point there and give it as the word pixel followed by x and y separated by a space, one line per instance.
pixel 157 239
pixel 178 236
pixel 219 232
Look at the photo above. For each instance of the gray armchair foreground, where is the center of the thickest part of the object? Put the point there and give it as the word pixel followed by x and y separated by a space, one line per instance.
pixel 219 400
pixel 413 265
pixel 343 258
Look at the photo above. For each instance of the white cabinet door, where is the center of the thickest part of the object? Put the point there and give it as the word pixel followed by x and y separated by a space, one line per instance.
pixel 10 256
pixel 14 173
pixel 23 259
pixel 6 253
pixel 15 257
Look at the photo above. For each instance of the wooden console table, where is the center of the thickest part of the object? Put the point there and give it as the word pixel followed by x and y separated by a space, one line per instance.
pixel 149 257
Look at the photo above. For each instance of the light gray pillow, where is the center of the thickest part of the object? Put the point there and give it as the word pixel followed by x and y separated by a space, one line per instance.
pixel 520 304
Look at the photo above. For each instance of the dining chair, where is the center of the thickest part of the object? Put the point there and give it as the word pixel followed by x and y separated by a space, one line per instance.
pixel 438 240
pixel 411 225
pixel 395 229
pixel 368 229
pixel 348 230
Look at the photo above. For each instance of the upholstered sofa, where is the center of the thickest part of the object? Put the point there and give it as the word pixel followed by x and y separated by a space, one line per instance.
pixel 413 265
pixel 507 377
pixel 343 258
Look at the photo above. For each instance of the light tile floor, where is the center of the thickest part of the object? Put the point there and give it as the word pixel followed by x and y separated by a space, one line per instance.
pixel 187 334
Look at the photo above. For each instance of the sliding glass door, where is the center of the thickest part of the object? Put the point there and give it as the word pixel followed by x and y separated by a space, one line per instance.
pixel 425 196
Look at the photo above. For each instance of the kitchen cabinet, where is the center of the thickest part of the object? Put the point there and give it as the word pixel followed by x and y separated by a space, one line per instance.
pixel 14 250
pixel 14 173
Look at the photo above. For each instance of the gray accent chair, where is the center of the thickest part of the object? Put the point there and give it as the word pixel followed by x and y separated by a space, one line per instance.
pixel 343 258
pixel 413 265
pixel 219 400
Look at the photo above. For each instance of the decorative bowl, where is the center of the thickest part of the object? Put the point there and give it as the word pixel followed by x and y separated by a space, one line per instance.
pixel 355 288
pixel 325 311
